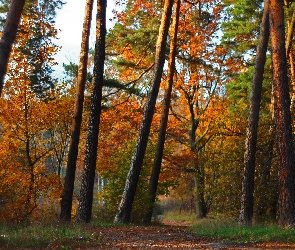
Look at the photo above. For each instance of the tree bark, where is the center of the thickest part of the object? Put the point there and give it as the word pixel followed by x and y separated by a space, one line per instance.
pixel 88 175
pixel 66 201
pixel 265 201
pixel 285 152
pixel 125 206
pixel 201 208
pixel 154 179
pixel 9 35
pixel 247 201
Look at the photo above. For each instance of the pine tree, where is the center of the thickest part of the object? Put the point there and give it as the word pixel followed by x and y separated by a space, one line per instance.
pixel 125 207
pixel 66 201
pixel 282 116
pixel 247 203
pixel 86 192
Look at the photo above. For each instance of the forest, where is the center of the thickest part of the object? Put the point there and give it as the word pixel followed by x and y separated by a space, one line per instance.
pixel 182 105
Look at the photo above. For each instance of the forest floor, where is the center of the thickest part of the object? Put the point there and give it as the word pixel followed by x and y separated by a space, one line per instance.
pixel 170 235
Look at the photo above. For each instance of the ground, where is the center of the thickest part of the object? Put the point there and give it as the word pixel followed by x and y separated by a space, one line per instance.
pixel 171 235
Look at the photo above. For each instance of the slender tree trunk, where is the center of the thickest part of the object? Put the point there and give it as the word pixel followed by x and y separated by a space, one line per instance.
pixel 66 201
pixel 125 206
pixel 289 37
pixel 285 152
pixel 8 36
pixel 88 175
pixel 154 179
pixel 246 212
pixel 289 54
pixel 292 85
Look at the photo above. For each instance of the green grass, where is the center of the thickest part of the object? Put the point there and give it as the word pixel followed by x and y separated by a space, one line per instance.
pixel 63 236
pixel 228 230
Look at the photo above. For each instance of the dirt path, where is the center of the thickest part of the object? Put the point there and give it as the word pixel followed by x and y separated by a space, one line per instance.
pixel 157 237
pixel 172 235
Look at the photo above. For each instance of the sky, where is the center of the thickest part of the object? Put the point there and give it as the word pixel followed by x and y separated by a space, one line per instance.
pixel 70 21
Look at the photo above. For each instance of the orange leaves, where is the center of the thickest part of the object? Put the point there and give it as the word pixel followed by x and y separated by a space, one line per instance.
pixel 119 126
pixel 32 131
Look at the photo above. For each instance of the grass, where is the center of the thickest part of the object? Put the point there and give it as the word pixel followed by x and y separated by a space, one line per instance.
pixel 230 230
pixel 175 216
pixel 37 236
pixel 66 236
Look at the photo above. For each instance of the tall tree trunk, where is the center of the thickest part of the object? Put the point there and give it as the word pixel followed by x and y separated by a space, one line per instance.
pixel 8 36
pixel 246 212
pixel 125 206
pixel 88 175
pixel 154 179
pixel 66 201
pixel 285 152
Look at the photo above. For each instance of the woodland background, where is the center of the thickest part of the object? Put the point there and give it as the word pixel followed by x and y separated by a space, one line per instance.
pixel 202 167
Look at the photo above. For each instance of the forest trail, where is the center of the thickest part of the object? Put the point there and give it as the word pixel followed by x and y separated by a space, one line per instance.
pixel 171 235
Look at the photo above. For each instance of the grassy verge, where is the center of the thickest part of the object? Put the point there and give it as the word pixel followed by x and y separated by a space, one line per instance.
pixel 37 236
pixel 227 230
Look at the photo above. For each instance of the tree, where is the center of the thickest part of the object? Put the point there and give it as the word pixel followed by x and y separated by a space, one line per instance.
pixel 154 179
pixel 125 206
pixel 282 116
pixel 131 44
pixel 9 35
pixel 25 125
pixel 66 201
pixel 86 192
pixel 242 37
pixel 200 67
pixel 241 27
pixel 246 212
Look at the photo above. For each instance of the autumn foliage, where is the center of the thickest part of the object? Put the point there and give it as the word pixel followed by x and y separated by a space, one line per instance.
pixel 202 164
